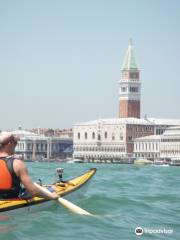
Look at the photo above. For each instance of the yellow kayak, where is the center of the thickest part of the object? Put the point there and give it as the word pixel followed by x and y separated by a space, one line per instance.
pixel 62 188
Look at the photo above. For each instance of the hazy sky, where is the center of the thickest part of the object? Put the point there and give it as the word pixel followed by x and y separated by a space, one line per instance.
pixel 60 61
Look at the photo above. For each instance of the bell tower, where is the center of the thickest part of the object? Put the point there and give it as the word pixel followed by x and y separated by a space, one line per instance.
pixel 129 86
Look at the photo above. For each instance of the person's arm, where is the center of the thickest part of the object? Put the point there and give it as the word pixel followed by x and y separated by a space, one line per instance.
pixel 22 172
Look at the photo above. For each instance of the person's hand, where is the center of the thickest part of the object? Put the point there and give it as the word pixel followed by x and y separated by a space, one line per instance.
pixel 53 192
pixel 54 195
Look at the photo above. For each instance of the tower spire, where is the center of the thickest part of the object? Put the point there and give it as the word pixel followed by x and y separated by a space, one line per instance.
pixel 129 62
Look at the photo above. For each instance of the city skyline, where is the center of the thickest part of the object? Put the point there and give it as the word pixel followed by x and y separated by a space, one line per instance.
pixel 61 61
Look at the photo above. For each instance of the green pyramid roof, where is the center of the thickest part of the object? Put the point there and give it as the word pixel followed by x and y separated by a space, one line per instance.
pixel 129 60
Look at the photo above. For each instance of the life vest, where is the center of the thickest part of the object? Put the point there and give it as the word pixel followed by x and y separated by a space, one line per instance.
pixel 9 182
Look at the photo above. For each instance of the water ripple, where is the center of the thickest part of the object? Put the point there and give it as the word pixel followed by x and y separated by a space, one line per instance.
pixel 122 197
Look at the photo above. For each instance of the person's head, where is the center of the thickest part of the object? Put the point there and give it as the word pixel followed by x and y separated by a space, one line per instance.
pixel 8 142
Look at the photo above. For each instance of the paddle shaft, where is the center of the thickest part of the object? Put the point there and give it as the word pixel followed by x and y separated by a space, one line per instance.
pixel 69 205
pixel 72 207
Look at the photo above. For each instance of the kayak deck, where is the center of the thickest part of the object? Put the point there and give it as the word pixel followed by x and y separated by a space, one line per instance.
pixel 62 188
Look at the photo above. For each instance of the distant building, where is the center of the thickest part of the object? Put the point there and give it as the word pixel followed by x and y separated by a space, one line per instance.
pixel 109 138
pixel 161 125
pixel 114 138
pixel 39 147
pixel 66 133
pixel 170 143
pixel 147 147
pixel 165 146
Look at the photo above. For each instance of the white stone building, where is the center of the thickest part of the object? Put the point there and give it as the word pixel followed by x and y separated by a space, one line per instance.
pixel 147 147
pixel 165 146
pixel 114 138
pixel 170 143
pixel 108 138
pixel 162 124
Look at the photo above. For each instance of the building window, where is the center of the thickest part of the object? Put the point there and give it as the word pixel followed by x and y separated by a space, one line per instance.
pixel 134 75
pixel 121 137
pixel 44 146
pixel 99 137
pixel 93 135
pixel 85 135
pixel 133 89
pixel 37 146
pixel 29 146
pixel 124 89
pixel 79 135
pixel 105 135
pixel 130 138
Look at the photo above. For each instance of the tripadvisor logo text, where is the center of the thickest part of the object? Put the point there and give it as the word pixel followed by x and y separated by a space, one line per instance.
pixel 140 231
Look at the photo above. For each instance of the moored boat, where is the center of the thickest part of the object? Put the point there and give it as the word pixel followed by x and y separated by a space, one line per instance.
pixel 142 161
pixel 62 188
pixel 159 162
pixel 175 162
pixel 77 160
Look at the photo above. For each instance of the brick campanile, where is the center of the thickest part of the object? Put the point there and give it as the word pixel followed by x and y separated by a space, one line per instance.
pixel 129 87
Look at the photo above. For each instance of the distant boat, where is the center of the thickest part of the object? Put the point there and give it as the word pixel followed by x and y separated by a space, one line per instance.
pixel 175 162
pixel 142 161
pixel 78 161
pixel 158 162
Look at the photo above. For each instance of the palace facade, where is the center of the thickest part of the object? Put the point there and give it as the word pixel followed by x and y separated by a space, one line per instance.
pixel 114 138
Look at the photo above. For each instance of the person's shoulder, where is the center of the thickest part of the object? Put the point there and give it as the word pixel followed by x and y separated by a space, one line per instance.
pixel 18 161
pixel 19 166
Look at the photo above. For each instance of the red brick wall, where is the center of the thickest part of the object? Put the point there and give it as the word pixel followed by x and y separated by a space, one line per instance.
pixel 130 148
pixel 129 108
pixel 136 131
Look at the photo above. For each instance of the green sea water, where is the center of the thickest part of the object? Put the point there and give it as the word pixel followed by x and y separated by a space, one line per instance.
pixel 122 197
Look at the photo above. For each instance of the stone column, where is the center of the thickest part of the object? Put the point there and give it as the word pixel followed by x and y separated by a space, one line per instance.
pixel 34 151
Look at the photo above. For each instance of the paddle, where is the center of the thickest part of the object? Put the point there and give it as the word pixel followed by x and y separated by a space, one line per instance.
pixel 72 207
pixel 69 205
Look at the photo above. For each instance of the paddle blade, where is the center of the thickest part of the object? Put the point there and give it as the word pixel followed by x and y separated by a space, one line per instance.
pixel 72 207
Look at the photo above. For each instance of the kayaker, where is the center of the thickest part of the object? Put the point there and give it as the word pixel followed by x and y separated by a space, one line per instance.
pixel 13 172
